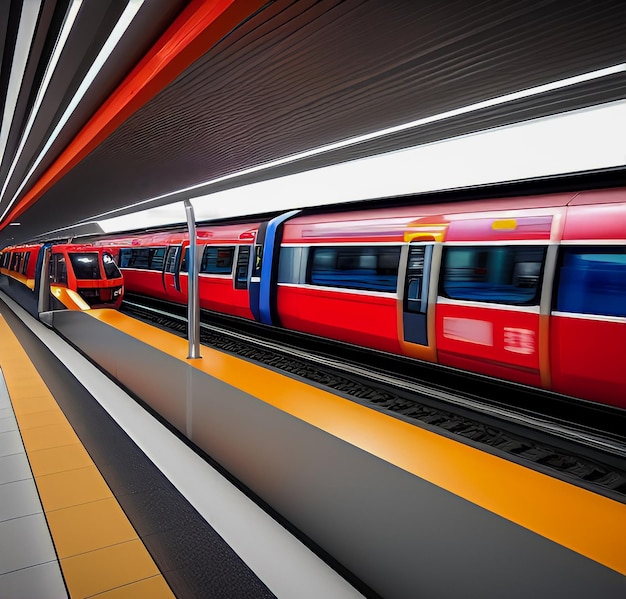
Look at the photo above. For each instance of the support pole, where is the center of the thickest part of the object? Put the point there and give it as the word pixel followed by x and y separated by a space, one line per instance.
pixel 193 304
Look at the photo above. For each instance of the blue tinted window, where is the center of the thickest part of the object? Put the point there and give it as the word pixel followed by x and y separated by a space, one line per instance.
pixel 125 255
pixel 592 281
pixel 494 274
pixel 368 268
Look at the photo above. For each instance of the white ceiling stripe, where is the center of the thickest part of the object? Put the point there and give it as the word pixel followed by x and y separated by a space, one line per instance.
pixel 68 23
pixel 23 43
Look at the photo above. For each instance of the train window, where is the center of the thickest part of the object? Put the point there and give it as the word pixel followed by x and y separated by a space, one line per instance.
pixel 135 258
pixel 142 258
pixel 290 263
pixel 171 258
pixel 25 264
pixel 258 261
pixel 15 263
pixel 494 274
pixel 417 278
pixel 125 255
pixel 217 260
pixel 372 268
pixel 85 265
pixel 110 268
pixel 592 281
pixel 183 266
pixel 243 262
pixel 157 258
pixel 57 270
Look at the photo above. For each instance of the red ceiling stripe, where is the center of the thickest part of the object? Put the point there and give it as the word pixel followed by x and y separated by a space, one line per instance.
pixel 193 33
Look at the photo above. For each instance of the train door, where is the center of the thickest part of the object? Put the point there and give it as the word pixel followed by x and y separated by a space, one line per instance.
pixel 171 274
pixel 418 300
pixel 488 309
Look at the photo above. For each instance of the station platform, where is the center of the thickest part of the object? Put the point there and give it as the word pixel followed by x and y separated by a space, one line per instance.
pixel 100 499
pixel 221 477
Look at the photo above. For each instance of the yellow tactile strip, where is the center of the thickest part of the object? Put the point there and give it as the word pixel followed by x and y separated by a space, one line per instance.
pixel 585 522
pixel 99 551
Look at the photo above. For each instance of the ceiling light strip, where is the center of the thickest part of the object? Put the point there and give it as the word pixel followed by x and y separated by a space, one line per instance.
pixel 542 147
pixel 121 26
pixel 533 91
pixel 202 24
pixel 68 23
pixel 24 40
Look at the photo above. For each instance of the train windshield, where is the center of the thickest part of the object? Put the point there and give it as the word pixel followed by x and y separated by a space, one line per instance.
pixel 110 268
pixel 86 265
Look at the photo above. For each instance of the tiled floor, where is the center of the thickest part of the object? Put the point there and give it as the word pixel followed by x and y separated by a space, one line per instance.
pixel 28 562
pixel 116 567
pixel 69 499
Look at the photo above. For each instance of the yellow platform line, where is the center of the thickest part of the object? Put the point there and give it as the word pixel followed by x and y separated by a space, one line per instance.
pixel 99 550
pixel 585 522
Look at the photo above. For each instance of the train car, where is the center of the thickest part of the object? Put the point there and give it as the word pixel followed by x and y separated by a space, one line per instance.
pixel 527 289
pixel 155 265
pixel 80 276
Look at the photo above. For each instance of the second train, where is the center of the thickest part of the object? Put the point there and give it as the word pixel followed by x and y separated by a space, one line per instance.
pixel 527 289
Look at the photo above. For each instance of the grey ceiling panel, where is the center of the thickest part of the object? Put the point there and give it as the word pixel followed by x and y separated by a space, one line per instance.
pixel 302 74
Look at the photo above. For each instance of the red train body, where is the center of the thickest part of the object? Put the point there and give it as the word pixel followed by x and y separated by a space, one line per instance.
pixel 528 289
pixel 155 265
pixel 80 276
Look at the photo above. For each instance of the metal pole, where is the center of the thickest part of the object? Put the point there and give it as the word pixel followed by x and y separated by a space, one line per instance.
pixel 193 304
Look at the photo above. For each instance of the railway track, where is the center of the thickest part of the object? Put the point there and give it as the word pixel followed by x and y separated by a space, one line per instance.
pixel 588 453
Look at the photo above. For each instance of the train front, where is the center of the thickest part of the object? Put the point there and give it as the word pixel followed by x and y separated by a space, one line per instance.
pixel 92 272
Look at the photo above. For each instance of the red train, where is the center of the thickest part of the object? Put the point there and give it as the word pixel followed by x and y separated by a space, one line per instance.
pixel 80 276
pixel 529 289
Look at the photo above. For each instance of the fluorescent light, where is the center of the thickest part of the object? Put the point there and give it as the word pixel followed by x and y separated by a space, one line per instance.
pixel 25 33
pixel 533 91
pixel 577 141
pixel 61 40
pixel 105 52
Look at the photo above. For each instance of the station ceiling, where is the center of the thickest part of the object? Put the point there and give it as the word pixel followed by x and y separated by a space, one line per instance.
pixel 195 91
